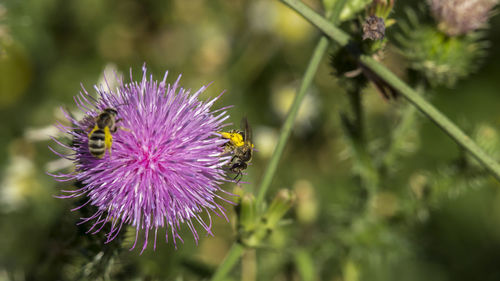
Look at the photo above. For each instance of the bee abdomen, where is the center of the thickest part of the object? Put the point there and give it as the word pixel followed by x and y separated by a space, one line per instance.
pixel 96 143
pixel 97 135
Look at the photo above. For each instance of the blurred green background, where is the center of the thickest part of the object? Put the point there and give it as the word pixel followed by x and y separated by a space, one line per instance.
pixel 257 52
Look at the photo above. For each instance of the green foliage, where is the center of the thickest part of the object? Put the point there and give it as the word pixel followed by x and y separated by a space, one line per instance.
pixel 379 192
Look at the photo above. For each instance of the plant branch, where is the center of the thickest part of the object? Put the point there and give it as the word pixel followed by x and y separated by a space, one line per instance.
pixel 397 84
pixel 286 129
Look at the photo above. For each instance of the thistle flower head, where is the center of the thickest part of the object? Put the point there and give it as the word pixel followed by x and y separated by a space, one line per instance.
pixel 458 17
pixel 441 59
pixel 165 165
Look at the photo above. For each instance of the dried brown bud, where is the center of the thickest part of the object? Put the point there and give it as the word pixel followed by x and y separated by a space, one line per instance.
pixel 457 17
pixel 373 28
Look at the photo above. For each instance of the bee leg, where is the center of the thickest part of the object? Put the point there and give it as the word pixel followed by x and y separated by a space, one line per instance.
pixel 240 175
pixel 115 128
pixel 124 129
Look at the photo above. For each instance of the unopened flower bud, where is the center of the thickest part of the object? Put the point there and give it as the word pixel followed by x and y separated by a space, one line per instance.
pixel 374 28
pixel 247 217
pixel 239 192
pixel 280 205
pixel 458 17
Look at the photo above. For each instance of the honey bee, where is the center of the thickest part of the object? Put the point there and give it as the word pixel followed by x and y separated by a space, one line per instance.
pixel 241 146
pixel 100 138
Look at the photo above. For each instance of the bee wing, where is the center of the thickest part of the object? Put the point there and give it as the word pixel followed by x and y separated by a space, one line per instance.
pixel 247 131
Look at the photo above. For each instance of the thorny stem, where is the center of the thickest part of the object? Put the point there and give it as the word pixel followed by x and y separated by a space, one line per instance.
pixel 357 109
pixel 367 170
pixel 391 79
pixel 286 129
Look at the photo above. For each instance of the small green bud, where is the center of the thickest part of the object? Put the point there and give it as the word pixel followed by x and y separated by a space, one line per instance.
pixel 279 206
pixel 239 192
pixel 248 217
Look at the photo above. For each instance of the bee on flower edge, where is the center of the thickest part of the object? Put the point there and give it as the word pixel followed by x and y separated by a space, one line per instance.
pixel 240 145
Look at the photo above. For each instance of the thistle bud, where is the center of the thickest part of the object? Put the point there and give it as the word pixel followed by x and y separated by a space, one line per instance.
pixel 239 192
pixel 441 59
pixel 248 215
pixel 459 17
pixel 374 28
pixel 280 205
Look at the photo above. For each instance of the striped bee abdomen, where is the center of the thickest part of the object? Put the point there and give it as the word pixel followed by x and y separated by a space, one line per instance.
pixel 97 145
pixel 100 138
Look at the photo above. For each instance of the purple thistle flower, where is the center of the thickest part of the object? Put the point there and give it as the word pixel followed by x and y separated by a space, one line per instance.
pixel 165 167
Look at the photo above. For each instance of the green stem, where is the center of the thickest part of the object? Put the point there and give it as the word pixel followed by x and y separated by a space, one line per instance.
pixel 290 119
pixel 435 115
pixel 231 259
pixel 249 265
pixel 391 79
pixel 286 129
pixel 367 170
pixel 357 109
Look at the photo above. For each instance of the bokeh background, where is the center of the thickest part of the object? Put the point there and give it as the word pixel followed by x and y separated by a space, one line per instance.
pixel 256 51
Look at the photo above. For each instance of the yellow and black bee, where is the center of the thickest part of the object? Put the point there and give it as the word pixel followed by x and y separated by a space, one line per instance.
pixel 100 138
pixel 241 146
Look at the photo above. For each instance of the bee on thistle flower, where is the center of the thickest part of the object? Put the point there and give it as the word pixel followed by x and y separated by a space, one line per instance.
pixel 165 169
pixel 239 144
